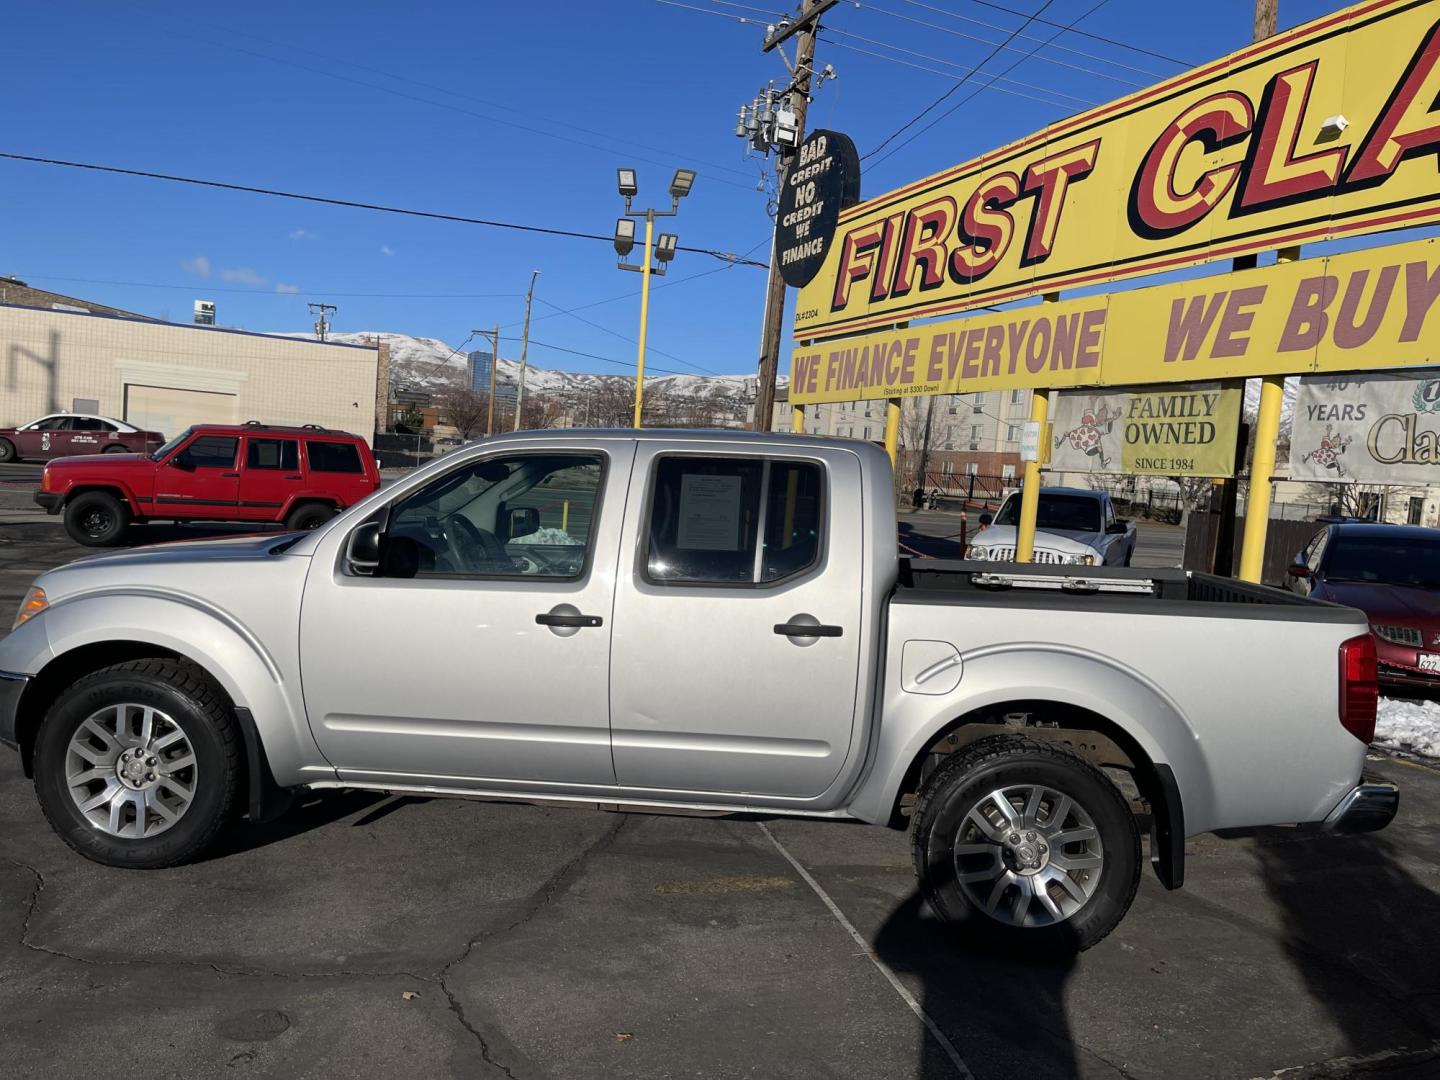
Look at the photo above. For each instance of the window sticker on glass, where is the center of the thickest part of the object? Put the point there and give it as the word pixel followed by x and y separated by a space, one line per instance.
pixel 709 518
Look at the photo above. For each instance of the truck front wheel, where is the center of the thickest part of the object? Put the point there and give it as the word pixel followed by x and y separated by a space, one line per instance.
pixel 138 764
pixel 1016 838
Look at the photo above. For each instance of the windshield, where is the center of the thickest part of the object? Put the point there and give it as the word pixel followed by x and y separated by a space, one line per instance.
pixel 1384 560
pixel 172 444
pixel 1076 512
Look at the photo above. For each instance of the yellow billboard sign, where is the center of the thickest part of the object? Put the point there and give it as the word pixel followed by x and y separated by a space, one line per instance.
pixel 1181 430
pixel 1331 129
pixel 1359 311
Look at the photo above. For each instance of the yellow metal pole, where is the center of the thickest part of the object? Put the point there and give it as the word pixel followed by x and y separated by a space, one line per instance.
pixel 1030 492
pixel 892 429
pixel 644 321
pixel 797 419
pixel 565 516
pixel 1262 468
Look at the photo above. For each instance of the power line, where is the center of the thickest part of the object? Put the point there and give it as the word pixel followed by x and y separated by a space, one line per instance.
pixel 352 204
pixel 200 287
pixel 969 97
pixel 623 337
pixel 943 97
pixel 942 74
pixel 829 31
pixel 1014 48
pixel 1071 29
pixel 436 104
pixel 712 11
pixel 992 26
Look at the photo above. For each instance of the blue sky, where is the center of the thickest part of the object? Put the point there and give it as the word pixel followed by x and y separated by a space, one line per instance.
pixel 517 112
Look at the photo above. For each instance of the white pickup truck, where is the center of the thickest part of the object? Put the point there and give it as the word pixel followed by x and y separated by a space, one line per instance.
pixel 709 621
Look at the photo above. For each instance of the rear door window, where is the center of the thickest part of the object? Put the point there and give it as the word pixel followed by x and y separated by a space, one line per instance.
pixel 273 454
pixel 333 457
pixel 733 521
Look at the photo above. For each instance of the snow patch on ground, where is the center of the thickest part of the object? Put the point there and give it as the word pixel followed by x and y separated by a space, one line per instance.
pixel 1413 726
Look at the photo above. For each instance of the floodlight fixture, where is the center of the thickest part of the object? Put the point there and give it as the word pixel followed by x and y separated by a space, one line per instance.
pixel 624 236
pixel 665 246
pixel 627 184
pixel 683 182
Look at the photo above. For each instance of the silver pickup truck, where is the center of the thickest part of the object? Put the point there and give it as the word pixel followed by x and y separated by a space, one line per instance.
pixel 706 621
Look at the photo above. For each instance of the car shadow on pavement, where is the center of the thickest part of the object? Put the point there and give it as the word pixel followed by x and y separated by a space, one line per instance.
pixel 1361 931
pixel 1005 1009
pixel 312 810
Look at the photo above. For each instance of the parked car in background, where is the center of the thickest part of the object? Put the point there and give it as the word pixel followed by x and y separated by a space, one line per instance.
pixel 1392 574
pixel 63 434
pixel 301 476
pixel 1074 526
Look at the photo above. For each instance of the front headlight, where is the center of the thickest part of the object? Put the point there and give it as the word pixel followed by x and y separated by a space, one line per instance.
pixel 33 604
pixel 978 553
pixel 1080 560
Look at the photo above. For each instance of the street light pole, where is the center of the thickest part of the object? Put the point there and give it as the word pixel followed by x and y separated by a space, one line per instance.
pixel 524 349
pixel 644 317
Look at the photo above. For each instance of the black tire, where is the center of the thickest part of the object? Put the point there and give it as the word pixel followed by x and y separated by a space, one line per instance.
pixel 96 519
pixel 184 692
pixel 7 451
pixel 962 784
pixel 309 516
pixel 117 450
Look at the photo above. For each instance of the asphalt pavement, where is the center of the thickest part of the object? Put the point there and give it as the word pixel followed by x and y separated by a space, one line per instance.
pixel 368 935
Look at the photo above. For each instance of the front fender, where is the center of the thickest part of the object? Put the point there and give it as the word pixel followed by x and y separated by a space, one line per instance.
pixel 265 684
pixel 1037 672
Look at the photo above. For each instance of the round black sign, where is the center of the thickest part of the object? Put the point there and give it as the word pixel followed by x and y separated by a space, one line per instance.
pixel 823 179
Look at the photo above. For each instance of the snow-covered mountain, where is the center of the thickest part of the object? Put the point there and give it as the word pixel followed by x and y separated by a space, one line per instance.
pixel 424 363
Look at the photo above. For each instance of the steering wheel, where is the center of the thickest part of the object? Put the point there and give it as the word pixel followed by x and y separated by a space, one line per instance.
pixel 473 547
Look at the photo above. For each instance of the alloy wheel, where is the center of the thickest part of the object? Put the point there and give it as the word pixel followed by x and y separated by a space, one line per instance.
pixel 1028 855
pixel 131 770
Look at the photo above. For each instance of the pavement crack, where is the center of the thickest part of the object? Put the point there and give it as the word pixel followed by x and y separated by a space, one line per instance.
pixel 541 898
pixel 32 906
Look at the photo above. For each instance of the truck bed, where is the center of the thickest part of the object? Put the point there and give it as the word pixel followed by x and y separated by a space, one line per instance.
pixel 1159 591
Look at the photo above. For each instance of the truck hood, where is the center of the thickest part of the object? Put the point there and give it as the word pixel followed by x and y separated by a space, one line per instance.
pixel 160 557
pixel 1065 541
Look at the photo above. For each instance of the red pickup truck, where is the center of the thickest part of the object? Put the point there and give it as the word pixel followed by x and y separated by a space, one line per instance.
pixel 61 434
pixel 301 476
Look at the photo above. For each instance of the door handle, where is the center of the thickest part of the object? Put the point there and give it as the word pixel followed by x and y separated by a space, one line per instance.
pixel 297 476
pixel 229 474
pixel 797 629
pixel 547 618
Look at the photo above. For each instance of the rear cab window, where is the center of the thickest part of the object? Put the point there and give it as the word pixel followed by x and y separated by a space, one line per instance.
pixel 736 521
pixel 333 457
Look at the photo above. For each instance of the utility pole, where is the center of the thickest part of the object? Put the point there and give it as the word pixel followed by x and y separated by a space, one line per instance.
pixel 1266 13
pixel 524 349
pixel 322 324
pixel 925 438
pixel 494 363
pixel 804 30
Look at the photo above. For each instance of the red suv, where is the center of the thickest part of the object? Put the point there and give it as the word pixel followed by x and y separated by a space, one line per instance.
pixel 212 472
pixel 60 434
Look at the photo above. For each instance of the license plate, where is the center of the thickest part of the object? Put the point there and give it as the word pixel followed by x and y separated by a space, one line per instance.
pixel 1429 662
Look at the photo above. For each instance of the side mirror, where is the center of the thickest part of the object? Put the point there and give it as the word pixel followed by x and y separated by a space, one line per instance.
pixel 986 519
pixel 1298 570
pixel 523 521
pixel 181 462
pixel 362 551
pixel 1117 527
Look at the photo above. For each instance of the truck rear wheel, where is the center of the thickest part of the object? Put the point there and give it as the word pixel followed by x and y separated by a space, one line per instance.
pixel 138 764
pixel 96 519
pixel 1018 839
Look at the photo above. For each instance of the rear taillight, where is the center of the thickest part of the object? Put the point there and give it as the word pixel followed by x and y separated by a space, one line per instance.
pixel 1359 687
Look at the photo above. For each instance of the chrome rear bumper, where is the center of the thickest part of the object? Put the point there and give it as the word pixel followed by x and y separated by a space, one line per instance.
pixel 1369 806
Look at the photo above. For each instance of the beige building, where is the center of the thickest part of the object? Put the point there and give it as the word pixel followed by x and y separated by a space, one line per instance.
pixel 167 376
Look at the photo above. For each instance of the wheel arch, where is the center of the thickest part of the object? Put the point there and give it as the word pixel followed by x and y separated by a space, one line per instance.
pixel 118 490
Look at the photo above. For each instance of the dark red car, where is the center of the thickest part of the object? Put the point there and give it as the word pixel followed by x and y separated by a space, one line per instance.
pixel 1392 573
pixel 63 434
pixel 301 476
